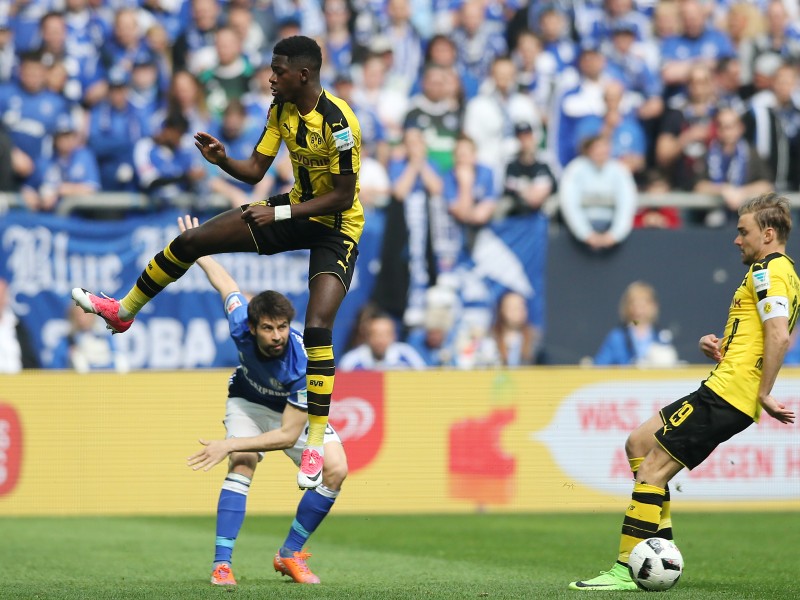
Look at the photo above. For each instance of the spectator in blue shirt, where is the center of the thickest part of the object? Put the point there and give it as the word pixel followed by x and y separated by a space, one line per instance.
pixel 381 350
pixel 30 110
pixel 72 171
pixel 239 140
pixel 698 42
pixel 166 167
pixel 471 197
pixel 637 340
pixel 114 128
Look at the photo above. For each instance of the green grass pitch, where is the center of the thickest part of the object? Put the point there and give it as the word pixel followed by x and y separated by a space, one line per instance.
pixel 734 556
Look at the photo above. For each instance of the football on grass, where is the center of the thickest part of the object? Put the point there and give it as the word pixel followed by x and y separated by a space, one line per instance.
pixel 655 564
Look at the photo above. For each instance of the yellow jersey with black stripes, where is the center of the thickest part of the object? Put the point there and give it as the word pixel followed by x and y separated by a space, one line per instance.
pixel 325 142
pixel 770 289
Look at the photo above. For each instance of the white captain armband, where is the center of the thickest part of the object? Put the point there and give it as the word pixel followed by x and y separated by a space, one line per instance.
pixel 283 212
pixel 773 306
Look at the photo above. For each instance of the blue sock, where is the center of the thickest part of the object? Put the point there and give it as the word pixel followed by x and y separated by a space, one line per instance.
pixel 313 508
pixel 230 515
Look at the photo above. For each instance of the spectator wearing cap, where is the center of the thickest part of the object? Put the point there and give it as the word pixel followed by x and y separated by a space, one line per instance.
pixel 146 93
pixel 194 48
pixel 698 42
pixel 114 128
pixel 528 179
pixel 773 128
pixel 72 171
pixel 165 166
pixel 436 112
pixel 229 78
pixel 628 64
pixel 489 118
pixel 29 110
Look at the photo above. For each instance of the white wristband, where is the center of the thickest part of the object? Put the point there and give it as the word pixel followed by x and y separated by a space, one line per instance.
pixel 283 212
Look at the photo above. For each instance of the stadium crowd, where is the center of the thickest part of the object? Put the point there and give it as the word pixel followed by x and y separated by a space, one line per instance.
pixel 473 114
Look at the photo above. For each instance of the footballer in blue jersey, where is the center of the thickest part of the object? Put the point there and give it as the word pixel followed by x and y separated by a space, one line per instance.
pixel 266 410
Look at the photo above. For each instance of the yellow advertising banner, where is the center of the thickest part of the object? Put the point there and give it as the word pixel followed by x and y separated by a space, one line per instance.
pixel 540 439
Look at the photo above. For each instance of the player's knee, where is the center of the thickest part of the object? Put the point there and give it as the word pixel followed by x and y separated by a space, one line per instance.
pixel 186 247
pixel 333 475
pixel 243 463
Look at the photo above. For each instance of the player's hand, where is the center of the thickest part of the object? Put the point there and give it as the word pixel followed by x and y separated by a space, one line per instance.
pixel 709 345
pixel 187 222
pixel 776 410
pixel 259 215
pixel 215 451
pixel 210 147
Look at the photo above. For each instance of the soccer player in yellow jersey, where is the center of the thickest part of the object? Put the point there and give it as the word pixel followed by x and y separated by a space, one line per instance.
pixel 322 213
pixel 749 356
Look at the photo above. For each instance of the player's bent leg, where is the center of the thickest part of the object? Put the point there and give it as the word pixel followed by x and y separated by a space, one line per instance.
pixel 641 440
pixel 616 579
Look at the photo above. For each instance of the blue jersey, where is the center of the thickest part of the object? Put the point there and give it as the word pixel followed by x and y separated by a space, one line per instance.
pixel 112 135
pixel 31 118
pixel 271 382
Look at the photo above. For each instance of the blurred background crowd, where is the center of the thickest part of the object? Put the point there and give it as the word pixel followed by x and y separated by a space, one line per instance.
pixel 479 118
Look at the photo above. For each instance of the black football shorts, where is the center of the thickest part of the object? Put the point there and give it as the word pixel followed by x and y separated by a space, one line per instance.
pixel 696 424
pixel 331 251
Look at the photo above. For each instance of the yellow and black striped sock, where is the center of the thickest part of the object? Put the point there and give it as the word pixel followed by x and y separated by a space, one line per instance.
pixel 319 381
pixel 665 525
pixel 641 518
pixel 163 269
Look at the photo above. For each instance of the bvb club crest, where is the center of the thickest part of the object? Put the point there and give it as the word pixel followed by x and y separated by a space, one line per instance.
pixel 315 141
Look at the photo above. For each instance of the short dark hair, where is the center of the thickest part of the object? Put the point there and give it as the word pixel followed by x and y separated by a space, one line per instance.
pixel 301 51
pixel 269 304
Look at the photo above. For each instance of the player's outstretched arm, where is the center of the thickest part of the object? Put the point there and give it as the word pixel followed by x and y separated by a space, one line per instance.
pixel 250 170
pixel 216 273
pixel 215 451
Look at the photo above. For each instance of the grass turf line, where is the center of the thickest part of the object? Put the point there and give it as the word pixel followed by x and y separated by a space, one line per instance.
pixel 728 555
